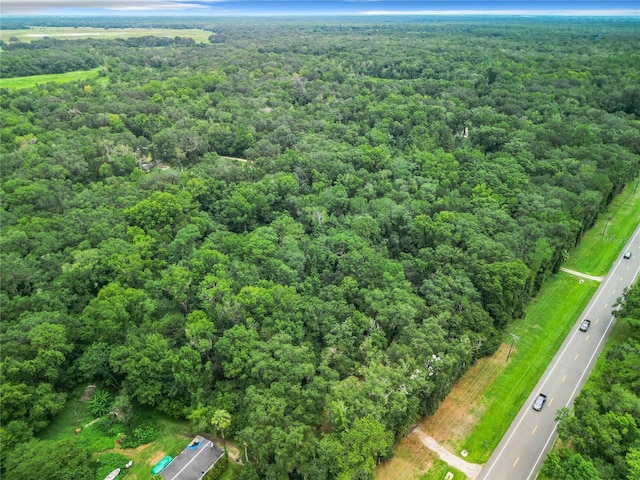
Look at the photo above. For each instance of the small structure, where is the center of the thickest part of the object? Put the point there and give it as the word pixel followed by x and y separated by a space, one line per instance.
pixel 158 467
pixel 194 461
pixel 113 474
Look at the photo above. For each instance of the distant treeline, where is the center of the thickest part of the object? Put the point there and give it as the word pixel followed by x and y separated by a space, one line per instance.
pixel 19 23
pixel 50 55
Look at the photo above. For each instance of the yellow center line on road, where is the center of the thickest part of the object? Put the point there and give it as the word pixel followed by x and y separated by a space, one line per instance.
pixel 586 338
pixel 564 378
pixel 516 462
pixel 534 429
pixel 597 320
pixel 577 355
pixel 550 401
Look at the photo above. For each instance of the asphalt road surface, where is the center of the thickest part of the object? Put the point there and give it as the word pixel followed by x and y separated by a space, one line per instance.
pixel 522 450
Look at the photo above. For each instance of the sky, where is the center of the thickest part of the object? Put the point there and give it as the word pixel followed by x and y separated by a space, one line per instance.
pixel 318 7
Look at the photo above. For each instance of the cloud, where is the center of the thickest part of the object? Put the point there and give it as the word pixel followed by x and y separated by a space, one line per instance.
pixel 34 7
pixel 604 12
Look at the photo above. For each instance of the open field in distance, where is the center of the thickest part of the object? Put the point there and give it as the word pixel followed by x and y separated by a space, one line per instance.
pixel 36 33
pixel 35 80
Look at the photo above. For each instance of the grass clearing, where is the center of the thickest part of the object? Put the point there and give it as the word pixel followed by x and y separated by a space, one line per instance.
pixel 233 471
pixel 72 33
pixel 440 469
pixel 411 460
pixel 602 244
pixel 17 83
pixel 173 437
pixel 75 414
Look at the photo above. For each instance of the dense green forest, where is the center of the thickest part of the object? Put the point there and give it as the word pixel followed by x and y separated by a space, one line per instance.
pixel 398 192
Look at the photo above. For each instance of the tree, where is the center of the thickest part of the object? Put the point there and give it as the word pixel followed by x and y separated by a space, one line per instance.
pixel 356 450
pixel 200 331
pixel 144 364
pixel 565 465
pixel 221 419
pixel 52 459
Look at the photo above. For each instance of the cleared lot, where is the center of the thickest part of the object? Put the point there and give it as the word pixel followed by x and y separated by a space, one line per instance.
pixel 69 33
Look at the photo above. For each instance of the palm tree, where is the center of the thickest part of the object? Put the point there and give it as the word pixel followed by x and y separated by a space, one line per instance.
pixel 221 419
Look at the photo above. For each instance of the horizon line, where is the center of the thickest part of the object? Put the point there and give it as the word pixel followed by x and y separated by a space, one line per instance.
pixel 366 13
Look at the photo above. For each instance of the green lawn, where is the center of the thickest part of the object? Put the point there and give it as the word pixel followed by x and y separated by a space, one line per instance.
pixel 75 414
pixel 440 469
pixel 602 244
pixel 540 334
pixel 174 437
pixel 35 80
pixel 70 33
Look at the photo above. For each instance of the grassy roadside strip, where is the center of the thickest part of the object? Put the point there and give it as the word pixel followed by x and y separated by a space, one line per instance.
pixel 548 320
pixel 540 334
pixel 601 245
pixel 16 83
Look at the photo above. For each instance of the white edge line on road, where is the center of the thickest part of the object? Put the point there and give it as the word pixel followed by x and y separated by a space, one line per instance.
pixel 602 289
pixel 571 397
pixel 592 303
pixel 553 432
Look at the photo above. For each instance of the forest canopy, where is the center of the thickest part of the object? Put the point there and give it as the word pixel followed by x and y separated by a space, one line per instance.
pixel 314 226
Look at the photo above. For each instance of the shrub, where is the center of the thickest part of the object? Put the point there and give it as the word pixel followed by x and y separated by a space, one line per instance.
pixel 100 403
pixel 108 463
pixel 104 426
pixel 140 435
pixel 93 440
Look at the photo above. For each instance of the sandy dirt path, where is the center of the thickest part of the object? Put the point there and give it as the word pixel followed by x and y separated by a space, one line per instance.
pixel 471 470
pixel 582 275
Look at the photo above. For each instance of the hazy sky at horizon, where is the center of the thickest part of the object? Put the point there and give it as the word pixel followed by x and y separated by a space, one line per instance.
pixel 316 7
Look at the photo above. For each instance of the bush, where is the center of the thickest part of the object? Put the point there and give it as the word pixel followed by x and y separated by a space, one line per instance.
pixel 94 440
pixel 108 463
pixel 105 426
pixel 100 403
pixel 140 435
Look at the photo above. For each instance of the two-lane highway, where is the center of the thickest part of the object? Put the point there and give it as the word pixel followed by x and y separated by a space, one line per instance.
pixel 521 451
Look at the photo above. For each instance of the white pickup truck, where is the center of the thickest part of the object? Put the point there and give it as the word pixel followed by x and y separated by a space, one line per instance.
pixel 540 401
pixel 584 326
